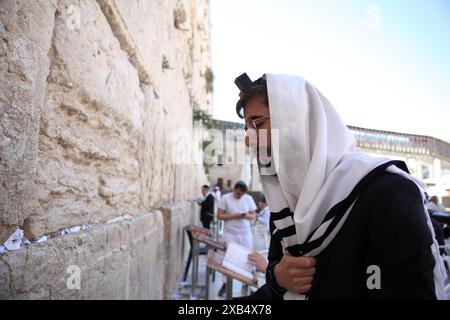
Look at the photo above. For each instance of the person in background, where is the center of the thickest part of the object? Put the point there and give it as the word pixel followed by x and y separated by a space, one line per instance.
pixel 206 207
pixel 261 233
pixel 218 223
pixel 236 210
pixel 434 206
pixel 217 194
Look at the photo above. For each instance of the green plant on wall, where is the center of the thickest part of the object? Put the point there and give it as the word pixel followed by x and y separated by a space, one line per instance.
pixel 204 117
pixel 209 80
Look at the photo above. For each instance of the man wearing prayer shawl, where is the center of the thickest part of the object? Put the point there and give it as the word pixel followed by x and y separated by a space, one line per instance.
pixel 344 225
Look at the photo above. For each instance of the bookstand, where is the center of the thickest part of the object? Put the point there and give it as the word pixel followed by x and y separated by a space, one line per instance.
pixel 194 233
pixel 215 263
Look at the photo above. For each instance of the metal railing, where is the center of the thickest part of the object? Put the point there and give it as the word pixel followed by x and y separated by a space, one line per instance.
pixel 394 142
pixel 386 141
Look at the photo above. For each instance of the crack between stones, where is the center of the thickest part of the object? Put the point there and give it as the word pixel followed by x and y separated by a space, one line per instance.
pixel 119 31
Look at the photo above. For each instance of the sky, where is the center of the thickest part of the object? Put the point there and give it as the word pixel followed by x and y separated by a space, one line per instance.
pixel 383 64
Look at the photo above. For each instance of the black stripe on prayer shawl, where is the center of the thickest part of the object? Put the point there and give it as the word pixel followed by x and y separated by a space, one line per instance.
pixel 337 212
pixel 282 214
pixel 287 232
pixel 277 216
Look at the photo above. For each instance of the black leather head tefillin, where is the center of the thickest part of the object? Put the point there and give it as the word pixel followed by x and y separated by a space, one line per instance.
pixel 248 88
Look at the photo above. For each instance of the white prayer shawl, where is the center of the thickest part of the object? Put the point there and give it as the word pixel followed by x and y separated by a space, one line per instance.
pixel 317 166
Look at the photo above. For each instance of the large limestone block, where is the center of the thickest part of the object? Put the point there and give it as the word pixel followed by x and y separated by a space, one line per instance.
pixel 89 58
pixel 169 58
pixel 154 151
pixel 120 260
pixel 176 244
pixel 147 265
pixel 146 31
pixel 26 29
pixel 91 125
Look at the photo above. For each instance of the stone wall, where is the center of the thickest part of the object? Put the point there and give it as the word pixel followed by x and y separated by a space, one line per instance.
pixel 175 247
pixel 130 259
pixel 96 99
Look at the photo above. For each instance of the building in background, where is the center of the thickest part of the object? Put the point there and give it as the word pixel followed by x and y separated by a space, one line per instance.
pixel 427 158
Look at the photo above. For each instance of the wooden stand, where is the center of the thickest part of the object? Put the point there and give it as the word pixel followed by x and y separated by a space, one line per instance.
pixel 195 233
pixel 215 263
pixel 216 254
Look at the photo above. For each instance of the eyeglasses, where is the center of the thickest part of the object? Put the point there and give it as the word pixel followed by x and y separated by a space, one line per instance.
pixel 254 123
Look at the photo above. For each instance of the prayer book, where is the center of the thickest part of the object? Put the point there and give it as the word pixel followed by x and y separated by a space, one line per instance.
pixel 236 259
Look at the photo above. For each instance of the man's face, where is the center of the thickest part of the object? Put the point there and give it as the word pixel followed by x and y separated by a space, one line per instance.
pixel 238 193
pixel 255 109
pixel 261 205
pixel 204 191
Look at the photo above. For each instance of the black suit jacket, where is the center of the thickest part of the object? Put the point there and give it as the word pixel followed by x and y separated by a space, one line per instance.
pixel 207 208
pixel 386 227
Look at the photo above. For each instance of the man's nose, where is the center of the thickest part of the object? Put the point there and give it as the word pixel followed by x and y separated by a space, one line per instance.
pixel 247 141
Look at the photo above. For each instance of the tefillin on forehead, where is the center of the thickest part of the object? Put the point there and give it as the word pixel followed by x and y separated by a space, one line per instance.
pixel 247 88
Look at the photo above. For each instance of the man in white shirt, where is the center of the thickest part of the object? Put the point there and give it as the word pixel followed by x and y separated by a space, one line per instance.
pixel 216 192
pixel 237 209
pixel 261 233
pixel 218 223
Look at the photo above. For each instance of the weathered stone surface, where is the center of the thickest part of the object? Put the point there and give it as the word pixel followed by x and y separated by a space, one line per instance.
pixel 170 91
pixel 24 65
pixel 91 116
pixel 176 248
pixel 107 133
pixel 183 43
pixel 88 168
pixel 123 260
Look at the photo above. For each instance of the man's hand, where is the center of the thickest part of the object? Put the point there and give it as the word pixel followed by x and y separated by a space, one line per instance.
pixel 250 215
pixel 247 216
pixel 295 273
pixel 221 215
pixel 258 261
pixel 241 216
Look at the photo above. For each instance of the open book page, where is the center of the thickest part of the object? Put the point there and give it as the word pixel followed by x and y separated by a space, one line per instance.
pixel 236 259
